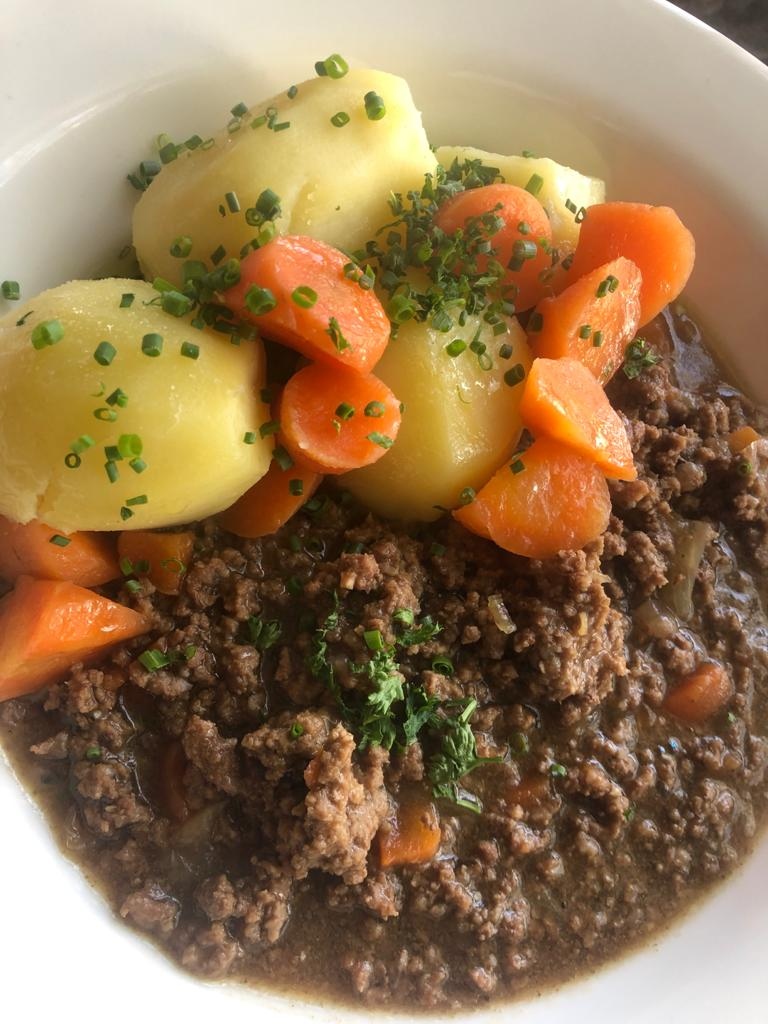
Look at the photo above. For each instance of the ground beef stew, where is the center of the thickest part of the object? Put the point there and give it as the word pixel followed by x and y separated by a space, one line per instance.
pixel 232 796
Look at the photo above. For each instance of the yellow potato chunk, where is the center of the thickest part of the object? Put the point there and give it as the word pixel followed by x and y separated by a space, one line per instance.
pixel 560 185
pixel 333 182
pixel 191 415
pixel 460 421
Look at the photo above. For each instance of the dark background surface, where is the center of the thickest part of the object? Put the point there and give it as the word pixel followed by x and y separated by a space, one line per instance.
pixel 745 21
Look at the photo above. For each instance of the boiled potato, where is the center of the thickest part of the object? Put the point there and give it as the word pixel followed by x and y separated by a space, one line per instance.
pixel 333 183
pixel 561 184
pixel 459 421
pixel 191 415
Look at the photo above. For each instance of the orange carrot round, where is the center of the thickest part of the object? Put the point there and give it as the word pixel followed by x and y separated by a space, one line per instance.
pixel 653 237
pixel 34 549
pixel 548 499
pixel 414 835
pixel 271 502
pixel 48 625
pixel 162 557
pixel 333 420
pixel 593 320
pixel 295 290
pixel 523 244
pixel 562 400
pixel 700 695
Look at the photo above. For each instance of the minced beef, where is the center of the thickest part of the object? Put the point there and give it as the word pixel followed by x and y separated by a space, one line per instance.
pixel 236 809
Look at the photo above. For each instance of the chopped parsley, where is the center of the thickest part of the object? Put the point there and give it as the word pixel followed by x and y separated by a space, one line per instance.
pixel 638 357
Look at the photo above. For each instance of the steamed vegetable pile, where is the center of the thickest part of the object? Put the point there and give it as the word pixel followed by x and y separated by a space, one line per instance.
pixel 453 316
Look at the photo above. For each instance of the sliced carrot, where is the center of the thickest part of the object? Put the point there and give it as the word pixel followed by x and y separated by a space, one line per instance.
pixel 524 240
pixel 162 557
pixel 333 419
pixel 48 625
pixel 741 437
pixel 414 836
pixel 271 502
pixel 593 320
pixel 700 695
pixel 29 550
pixel 653 237
pixel 563 400
pixel 315 308
pixel 546 500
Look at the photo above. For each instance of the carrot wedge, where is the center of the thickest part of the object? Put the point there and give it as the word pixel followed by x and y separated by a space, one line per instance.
pixel 700 695
pixel 295 291
pixel 562 400
pixel 162 557
pixel 523 242
pixel 34 549
pixel 546 500
pixel 653 237
pixel 271 501
pixel 333 420
pixel 48 625
pixel 740 438
pixel 593 320
pixel 414 836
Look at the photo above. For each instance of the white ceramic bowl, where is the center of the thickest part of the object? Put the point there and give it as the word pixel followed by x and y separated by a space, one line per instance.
pixel 665 109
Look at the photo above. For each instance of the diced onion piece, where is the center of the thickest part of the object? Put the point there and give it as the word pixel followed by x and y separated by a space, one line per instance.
pixel 500 614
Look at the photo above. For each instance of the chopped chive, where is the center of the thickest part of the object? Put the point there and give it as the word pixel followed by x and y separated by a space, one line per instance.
pixel 345 411
pixel 602 289
pixel 597 339
pixel 296 730
pixel 193 142
pixel 332 67
pixel 168 153
pixel 152 345
pixel 153 660
pixel 296 487
pixel 72 460
pixel 280 127
pixel 93 754
pixel 374 106
pixel 514 375
pixel 580 215
pixel 105 415
pixel 517 466
pixel 524 227
pixel 110 468
pixel 570 206
pixel 112 452
pixel 218 255
pixel 380 439
pixel 249 437
pixel 175 303
pixel 292 92
pixel 535 184
pixel 456 347
pixel 239 110
pixel 282 458
pixel 374 641
pixel 189 350
pixel 59 540
pixel 304 296
pixel 118 397
pixel 443 665
pixel 505 351
pixel 259 300
pixel 535 322
pixel 585 331
pixel 477 346
pixel 268 428
pixel 613 283
pixel 558 770
pixel 233 203
pixel 47 333
pixel 335 334
pixel 133 586
pixel 523 250
pixel 105 353
pixel 81 444
pixel 405 615
pixel 126 300
pixel 181 247
pixel 130 446
pixel 375 409
pixel 401 308
pixel 125 513
pixel 137 465
pixel 529 154
pixel 467 496
pixel 11 290
pixel 340 119
pixel 140 499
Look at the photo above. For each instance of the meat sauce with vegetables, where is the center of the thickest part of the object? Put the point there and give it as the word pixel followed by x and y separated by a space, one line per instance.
pixel 223 778
pixel 384 613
